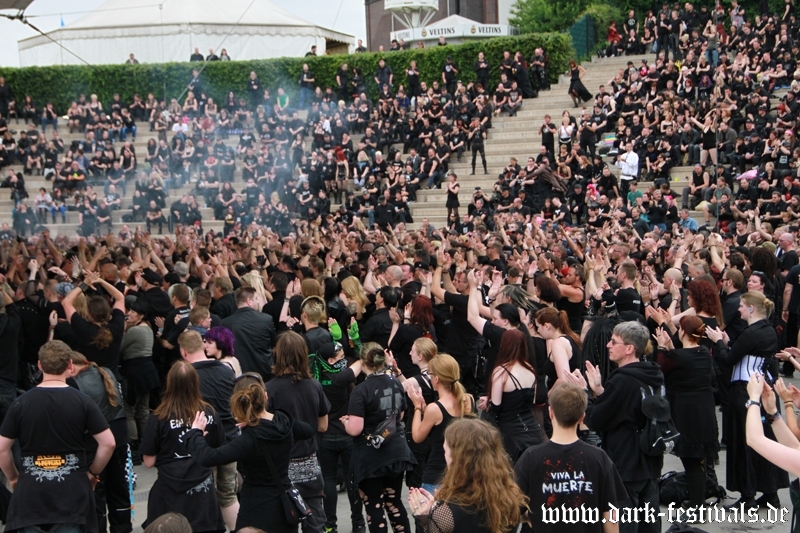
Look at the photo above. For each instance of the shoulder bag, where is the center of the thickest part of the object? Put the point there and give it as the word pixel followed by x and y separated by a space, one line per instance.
pixel 295 509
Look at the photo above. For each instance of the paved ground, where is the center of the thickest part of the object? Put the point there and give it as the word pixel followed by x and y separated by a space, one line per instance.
pixel 147 476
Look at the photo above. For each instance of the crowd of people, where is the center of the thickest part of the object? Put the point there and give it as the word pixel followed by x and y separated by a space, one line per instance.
pixel 361 150
pixel 495 366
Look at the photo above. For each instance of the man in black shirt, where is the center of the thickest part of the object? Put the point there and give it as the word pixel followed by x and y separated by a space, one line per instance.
pixel 481 68
pixel 384 74
pixel 216 388
pixel 196 56
pixel 449 72
pixel 462 338
pixel 51 426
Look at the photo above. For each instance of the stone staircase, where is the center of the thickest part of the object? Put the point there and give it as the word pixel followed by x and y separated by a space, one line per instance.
pixel 519 137
pixel 509 137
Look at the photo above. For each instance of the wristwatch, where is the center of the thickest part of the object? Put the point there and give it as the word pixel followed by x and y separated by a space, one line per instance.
pixel 771 418
pixel 750 403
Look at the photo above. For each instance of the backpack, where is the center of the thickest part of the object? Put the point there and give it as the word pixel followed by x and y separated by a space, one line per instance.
pixel 659 434
pixel 672 488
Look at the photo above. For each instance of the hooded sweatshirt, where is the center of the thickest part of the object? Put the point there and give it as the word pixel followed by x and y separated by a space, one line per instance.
pixel 617 415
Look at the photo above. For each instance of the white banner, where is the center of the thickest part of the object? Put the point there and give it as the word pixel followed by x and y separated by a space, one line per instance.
pixel 432 33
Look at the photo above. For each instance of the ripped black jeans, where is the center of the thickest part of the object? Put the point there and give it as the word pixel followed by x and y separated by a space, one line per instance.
pixel 384 493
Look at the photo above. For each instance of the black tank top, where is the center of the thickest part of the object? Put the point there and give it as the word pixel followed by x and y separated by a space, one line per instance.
pixel 574 312
pixel 574 363
pixel 436 465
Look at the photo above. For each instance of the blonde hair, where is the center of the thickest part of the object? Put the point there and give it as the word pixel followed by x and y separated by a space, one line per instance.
pixel 355 293
pixel 757 300
pixel 253 279
pixel 447 371
pixel 426 348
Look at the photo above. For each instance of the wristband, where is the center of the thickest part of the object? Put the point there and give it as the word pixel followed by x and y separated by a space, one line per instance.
pixel 83 287
pixel 96 476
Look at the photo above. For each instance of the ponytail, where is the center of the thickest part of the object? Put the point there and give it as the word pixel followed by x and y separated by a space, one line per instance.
pixel 559 320
pixel 108 383
pixel 464 401
pixel 104 337
pixel 248 403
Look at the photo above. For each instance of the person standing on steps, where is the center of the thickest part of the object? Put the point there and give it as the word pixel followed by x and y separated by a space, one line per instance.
pixel 628 163
pixel 477 136
pixel 577 90
pixel 452 195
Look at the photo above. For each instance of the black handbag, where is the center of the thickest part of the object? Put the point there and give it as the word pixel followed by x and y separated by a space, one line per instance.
pixel 295 509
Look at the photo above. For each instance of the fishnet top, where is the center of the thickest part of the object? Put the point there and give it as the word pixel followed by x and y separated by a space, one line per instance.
pixel 450 518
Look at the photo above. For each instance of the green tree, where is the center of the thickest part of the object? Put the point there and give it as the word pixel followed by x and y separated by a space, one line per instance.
pixel 533 16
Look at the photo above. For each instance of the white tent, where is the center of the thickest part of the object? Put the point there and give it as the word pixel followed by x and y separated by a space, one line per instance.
pixel 170 30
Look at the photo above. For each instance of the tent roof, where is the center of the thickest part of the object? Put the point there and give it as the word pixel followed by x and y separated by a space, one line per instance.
pixel 15 4
pixel 131 13
pixel 452 20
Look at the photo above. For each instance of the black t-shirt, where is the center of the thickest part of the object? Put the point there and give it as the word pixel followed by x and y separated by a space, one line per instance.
pixel 337 390
pixel 462 338
pixel 372 400
pixel 315 338
pixel 85 332
pixel 163 439
pixel 216 387
pixel 629 300
pixel 50 424
pixel 568 476
pixel 305 401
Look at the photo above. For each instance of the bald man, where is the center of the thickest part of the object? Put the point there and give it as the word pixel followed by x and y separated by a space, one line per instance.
pixel 394 276
pixel 673 276
pixel 786 254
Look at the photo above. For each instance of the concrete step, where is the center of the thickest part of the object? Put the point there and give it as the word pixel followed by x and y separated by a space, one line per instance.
pixel 70 229
pixel 116 216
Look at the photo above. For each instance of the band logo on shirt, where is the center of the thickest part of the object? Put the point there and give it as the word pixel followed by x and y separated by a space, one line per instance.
pixel 50 467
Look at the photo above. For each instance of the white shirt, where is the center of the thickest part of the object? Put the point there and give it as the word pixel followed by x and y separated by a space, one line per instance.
pixel 629 165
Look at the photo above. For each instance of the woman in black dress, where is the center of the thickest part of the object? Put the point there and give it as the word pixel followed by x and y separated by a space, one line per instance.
pixel 263 430
pixel 577 91
pixel 747 472
pixel 452 196
pixel 183 485
pixel 688 375
pixel 510 400
pixel 378 464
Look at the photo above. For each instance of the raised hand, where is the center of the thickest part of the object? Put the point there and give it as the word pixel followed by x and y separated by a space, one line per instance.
pixel 593 376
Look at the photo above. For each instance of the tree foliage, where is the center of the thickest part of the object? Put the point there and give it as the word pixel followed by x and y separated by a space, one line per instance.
pixel 63 84
pixel 545 15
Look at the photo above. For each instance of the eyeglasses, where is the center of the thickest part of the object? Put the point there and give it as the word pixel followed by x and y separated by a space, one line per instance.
pixel 612 341
pixel 251 375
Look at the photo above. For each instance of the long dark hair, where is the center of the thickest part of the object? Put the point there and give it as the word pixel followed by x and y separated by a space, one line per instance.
pixel 513 349
pixel 99 312
pixel 182 398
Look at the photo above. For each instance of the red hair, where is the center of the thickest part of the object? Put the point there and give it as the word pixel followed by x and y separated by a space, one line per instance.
pixel 422 312
pixel 513 349
pixel 706 299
